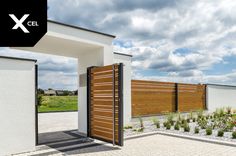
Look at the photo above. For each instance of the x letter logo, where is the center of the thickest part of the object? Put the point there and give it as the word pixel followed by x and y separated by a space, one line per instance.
pixel 19 23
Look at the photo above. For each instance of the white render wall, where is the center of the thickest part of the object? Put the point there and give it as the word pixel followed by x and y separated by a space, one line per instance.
pixel 98 57
pixel 220 96
pixel 126 60
pixel 17 106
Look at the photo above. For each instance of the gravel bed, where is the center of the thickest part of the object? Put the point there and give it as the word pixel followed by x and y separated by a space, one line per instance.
pixel 149 127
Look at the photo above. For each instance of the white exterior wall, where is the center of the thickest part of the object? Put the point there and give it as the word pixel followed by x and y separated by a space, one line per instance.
pixel 126 60
pixel 17 106
pixel 220 96
pixel 99 57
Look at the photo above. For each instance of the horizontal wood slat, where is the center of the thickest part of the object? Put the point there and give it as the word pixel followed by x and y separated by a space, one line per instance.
pixel 152 97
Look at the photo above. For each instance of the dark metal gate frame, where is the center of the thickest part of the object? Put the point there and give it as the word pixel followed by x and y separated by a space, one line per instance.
pixel 120 97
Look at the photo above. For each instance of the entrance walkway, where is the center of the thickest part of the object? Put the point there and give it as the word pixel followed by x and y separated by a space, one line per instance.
pixel 155 145
pixel 62 121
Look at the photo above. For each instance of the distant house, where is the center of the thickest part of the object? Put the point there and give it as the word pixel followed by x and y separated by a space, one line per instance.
pixel 60 92
pixel 50 93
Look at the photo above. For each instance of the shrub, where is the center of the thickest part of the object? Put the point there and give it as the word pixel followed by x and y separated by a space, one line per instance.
pixel 208 131
pixel 234 135
pixel 170 118
pixel 168 125
pixel 141 123
pixel 128 127
pixel 176 127
pixel 188 120
pixel 228 110
pixel 186 127
pixel 165 123
pixel 196 130
pixel 191 115
pixel 202 123
pixel 220 133
pixel 156 122
pixel 200 113
pixel 40 100
pixel 183 121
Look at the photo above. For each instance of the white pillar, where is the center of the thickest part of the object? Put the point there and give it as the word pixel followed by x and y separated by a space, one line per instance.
pixel 98 57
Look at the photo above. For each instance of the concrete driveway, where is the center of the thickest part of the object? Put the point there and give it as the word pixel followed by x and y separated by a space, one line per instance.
pixel 155 145
pixel 63 121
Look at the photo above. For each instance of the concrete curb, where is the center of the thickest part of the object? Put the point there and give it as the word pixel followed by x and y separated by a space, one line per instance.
pixel 219 142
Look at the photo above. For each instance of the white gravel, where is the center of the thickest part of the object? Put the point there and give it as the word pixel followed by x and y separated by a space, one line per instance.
pixel 150 127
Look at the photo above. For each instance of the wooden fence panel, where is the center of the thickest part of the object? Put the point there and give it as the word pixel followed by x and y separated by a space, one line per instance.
pixel 151 98
pixel 191 97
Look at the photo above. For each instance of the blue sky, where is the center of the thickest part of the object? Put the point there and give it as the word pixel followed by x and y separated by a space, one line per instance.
pixel 170 40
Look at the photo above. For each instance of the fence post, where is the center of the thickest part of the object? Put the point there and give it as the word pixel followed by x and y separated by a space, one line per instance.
pixel 176 98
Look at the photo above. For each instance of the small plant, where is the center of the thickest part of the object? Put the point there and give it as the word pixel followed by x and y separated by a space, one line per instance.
pixel 194 119
pixel 176 127
pixel 196 130
pixel 191 115
pixel 188 120
pixel 170 118
pixel 141 125
pixel 168 125
pixel 183 121
pixel 165 123
pixel 186 127
pixel 200 113
pixel 228 110
pixel 202 123
pixel 156 122
pixel 220 133
pixel 209 130
pixel 234 135
pixel 128 127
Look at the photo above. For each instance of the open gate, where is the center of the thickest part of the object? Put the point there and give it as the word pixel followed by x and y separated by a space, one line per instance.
pixel 105 103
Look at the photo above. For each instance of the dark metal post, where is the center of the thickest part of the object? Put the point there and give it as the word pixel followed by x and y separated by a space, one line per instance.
pixel 36 104
pixel 113 104
pixel 121 103
pixel 88 101
pixel 176 97
pixel 206 106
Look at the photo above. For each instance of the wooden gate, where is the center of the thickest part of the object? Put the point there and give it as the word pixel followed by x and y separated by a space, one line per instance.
pixel 105 103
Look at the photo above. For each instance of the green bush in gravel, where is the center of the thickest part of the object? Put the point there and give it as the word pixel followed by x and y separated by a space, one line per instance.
pixel 220 133
pixel 209 130
pixel 168 125
pixel 196 130
pixel 186 127
pixel 234 135
pixel 156 122
pixel 176 127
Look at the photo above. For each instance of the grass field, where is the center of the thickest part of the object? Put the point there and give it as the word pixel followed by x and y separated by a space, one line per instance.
pixel 58 103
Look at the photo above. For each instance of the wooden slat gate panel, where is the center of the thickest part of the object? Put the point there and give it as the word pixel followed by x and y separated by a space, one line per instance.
pixel 105 103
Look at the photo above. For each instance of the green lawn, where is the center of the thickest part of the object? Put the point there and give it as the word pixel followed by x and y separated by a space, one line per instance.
pixel 58 103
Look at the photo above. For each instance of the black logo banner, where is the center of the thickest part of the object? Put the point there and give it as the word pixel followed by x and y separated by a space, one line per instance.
pixel 23 22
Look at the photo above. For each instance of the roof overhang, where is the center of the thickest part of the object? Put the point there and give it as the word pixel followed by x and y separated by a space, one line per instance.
pixel 69 41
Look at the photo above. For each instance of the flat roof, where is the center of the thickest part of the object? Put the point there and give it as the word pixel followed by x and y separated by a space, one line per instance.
pixel 18 58
pixel 77 27
pixel 117 53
